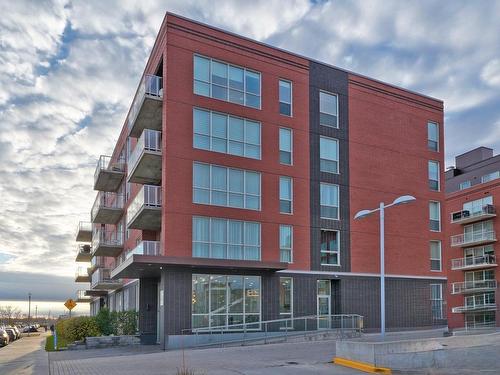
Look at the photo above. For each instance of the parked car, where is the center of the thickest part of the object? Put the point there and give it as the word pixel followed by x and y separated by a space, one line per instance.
pixel 30 329
pixel 4 338
pixel 17 331
pixel 11 333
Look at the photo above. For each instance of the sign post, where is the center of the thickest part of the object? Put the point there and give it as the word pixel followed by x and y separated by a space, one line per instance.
pixel 70 305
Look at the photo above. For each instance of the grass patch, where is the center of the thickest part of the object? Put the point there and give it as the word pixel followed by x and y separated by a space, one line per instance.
pixel 49 344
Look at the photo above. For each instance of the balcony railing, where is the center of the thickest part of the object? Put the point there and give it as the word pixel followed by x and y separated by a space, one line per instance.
pixel 483 261
pixel 96 262
pixel 473 286
pixel 82 297
pixel 101 279
pixel 108 174
pixel 475 307
pixel 82 275
pixel 473 238
pixel 466 216
pixel 84 231
pixel 145 248
pixel 83 253
pixel 144 212
pixel 107 208
pixel 145 161
pixel 107 242
pixel 146 107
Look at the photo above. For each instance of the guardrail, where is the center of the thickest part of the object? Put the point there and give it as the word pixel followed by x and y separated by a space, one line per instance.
pixel 150 140
pixel 486 260
pixel 148 196
pixel 475 307
pixel 472 237
pixel 462 215
pixel 105 163
pixel 106 238
pixel 150 85
pixel 470 286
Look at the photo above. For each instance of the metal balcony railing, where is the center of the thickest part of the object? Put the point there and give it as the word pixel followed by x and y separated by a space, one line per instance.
pixel 473 262
pixel 468 239
pixel 150 140
pixel 81 272
pixel 474 307
pixel 106 164
pixel 473 286
pixel 84 231
pixel 145 248
pixel 466 216
pixel 106 201
pixel 97 262
pixel 83 252
pixel 82 297
pixel 150 85
pixel 102 277
pixel 148 197
pixel 104 237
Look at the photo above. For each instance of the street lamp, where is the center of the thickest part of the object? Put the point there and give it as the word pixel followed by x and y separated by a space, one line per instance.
pixel 364 213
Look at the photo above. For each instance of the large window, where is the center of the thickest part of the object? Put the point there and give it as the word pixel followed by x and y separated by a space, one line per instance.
pixel 434 175
pixel 329 155
pixel 435 216
pixel 328 109
pixel 464 185
pixel 478 301
pixel 221 186
pixel 286 142
pixel 480 275
pixel 437 302
pixel 285 93
pixel 435 247
pixel 433 136
pixel 286 301
pixel 226 82
pixel 475 207
pixel 329 201
pixel 225 239
pixel 286 195
pixel 222 300
pixel 482 230
pixel 224 133
pixel 286 243
pixel 330 248
pixel 490 176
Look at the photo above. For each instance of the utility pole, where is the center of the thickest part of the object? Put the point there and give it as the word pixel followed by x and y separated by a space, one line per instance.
pixel 36 311
pixel 29 308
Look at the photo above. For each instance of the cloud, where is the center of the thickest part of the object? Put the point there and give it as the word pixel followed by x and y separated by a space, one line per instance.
pixel 491 73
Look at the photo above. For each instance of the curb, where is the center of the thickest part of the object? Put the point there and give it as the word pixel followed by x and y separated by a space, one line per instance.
pixel 362 366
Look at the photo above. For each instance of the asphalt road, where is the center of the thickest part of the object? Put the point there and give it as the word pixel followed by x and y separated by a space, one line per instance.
pixel 25 356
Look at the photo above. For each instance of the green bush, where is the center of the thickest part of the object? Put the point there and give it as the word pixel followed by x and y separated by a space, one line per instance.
pixel 104 321
pixel 126 322
pixel 80 327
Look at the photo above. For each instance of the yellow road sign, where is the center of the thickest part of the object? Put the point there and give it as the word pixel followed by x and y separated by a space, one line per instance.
pixel 70 304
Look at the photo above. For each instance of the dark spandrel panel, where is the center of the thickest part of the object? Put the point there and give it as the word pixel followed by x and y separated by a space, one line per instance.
pixel 285 206
pixel 434 185
pixel 285 157
pixel 328 120
pixel 285 109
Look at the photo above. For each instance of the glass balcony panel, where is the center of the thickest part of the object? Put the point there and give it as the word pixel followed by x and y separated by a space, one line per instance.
pixel 145 111
pixel 108 174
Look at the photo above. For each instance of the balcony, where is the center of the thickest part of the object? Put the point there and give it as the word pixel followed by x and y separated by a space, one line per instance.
pixel 144 212
pixel 475 308
pixel 469 263
pixel 146 110
pixel 82 275
pixel 83 253
pixel 466 216
pixel 473 238
pixel 145 248
pixel 107 243
pixel 101 279
pixel 107 208
pixel 108 174
pixel 84 231
pixel 82 297
pixel 473 286
pixel 96 262
pixel 145 161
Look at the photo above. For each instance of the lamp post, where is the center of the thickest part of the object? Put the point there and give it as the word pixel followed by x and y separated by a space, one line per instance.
pixel 364 213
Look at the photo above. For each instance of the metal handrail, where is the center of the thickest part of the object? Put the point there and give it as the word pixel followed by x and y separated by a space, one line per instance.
pixel 464 286
pixel 85 226
pixel 107 238
pixel 103 275
pixel 148 196
pixel 150 140
pixel 107 199
pixel 83 249
pixel 474 307
pixel 81 271
pixel 105 163
pixel 464 238
pixel 145 248
pixel 150 85
pixel 457 216
pixel 486 259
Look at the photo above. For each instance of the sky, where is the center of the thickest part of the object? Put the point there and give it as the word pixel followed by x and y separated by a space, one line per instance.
pixel 69 70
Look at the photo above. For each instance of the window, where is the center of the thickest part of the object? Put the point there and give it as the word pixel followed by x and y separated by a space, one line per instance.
pixel 478 301
pixel 226 82
pixel 126 299
pixel 329 155
pixel 285 140
pixel 225 239
pixel 477 206
pixel 330 248
pixel 482 230
pixel 464 185
pixel 286 302
pixel 328 110
pixel 490 176
pixel 434 175
pixel 286 243
pixel 226 300
pixel 220 132
pixel 221 186
pixel 479 276
pixel 285 93
pixel 432 136
pixel 329 201
pixel 435 216
pixel 486 252
pixel 435 255
pixel 437 301
pixel 286 195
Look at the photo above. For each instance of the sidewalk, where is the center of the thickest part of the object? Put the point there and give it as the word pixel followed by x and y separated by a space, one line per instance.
pixel 26 356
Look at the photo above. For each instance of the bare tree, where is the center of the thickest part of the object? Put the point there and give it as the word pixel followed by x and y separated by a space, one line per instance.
pixel 9 312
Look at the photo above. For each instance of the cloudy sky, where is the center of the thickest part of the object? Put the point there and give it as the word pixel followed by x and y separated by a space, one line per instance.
pixel 69 70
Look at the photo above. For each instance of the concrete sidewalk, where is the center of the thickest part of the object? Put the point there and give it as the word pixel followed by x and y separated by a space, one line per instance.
pixel 26 356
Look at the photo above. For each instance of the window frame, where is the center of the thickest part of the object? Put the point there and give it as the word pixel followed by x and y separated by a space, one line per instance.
pixel 439 300
pixel 440 259
pixel 338 201
pixel 330 160
pixel 429 122
pixel 290 314
pixel 291 97
pixel 438 175
pixel 291 195
pixel 439 216
pixel 337 109
pixel 330 251
pixel 290 130
pixel 282 248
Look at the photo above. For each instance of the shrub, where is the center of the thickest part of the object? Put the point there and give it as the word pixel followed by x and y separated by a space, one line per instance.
pixel 126 322
pixel 80 327
pixel 104 321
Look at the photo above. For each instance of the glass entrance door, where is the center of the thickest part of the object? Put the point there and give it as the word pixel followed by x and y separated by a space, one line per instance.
pixel 324 304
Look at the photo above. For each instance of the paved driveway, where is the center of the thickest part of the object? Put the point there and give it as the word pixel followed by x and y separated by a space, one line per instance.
pixel 25 356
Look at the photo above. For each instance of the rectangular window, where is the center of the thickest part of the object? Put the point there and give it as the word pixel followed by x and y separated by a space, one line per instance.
pixel 464 185
pixel 477 206
pixel 226 82
pixel 434 175
pixel 286 243
pixel 229 187
pixel 224 133
pixel 286 195
pixel 482 230
pixel 329 201
pixel 285 94
pixel 225 239
pixel 329 155
pixel 432 136
pixel 435 247
pixel 330 254
pixel 285 140
pixel 490 176
pixel 480 275
pixel 286 302
pixel 437 301
pixel 435 216
pixel 226 301
pixel 328 109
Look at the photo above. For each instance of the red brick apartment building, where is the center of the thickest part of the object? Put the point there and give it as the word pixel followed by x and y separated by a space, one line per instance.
pixel 230 194
pixel 473 191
